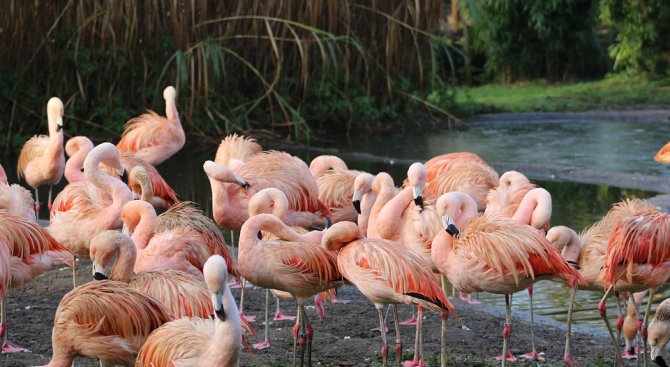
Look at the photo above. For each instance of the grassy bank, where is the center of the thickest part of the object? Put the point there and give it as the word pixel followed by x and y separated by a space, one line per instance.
pixel 614 92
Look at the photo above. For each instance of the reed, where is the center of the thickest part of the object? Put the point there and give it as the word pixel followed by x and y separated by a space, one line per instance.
pixel 238 65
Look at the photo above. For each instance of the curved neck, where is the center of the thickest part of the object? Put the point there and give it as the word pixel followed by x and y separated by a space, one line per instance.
pixel 75 164
pixel 145 227
pixel 389 218
pixel 270 223
pixel 171 111
pixel 535 209
pixel 441 250
pixel 573 248
pixel 122 270
pixel 385 192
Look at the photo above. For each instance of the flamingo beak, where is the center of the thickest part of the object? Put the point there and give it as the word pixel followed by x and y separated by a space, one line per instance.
pixel 59 124
pixel 98 271
pixel 417 193
pixel 450 226
pixel 124 176
pixel 217 300
pixel 356 201
pixel 245 185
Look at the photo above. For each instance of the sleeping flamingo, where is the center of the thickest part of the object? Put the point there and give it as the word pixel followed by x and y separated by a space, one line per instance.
pixel 106 320
pixel 497 255
pixel 471 177
pixel 235 150
pixel 26 251
pixel 15 198
pixel 78 147
pixel 153 138
pixel 198 342
pixel 42 161
pixel 386 273
pixel 294 263
pixel 233 187
pixel 335 181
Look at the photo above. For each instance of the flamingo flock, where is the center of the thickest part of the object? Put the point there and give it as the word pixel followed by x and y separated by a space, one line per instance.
pixel 160 290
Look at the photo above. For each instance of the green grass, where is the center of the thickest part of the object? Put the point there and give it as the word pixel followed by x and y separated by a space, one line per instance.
pixel 613 92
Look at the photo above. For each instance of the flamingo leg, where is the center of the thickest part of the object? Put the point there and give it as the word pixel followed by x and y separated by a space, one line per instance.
pixel 415 361
pixel 422 360
pixel 249 318
pixel 37 204
pixel 279 316
pixel 567 356
pixel 384 350
pixel 411 320
pixel 296 329
pixel 74 272
pixel 443 328
pixel 603 313
pixel 310 334
pixel 7 346
pixel 398 341
pixel 507 330
pixel 533 355
pixel 619 317
pixel 650 300
pixel 51 188
pixel 266 343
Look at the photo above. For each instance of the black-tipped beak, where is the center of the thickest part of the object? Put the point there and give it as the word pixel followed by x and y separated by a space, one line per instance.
pixel 99 276
pixel 419 201
pixel 357 206
pixel 660 361
pixel 58 128
pixel 124 176
pixel 221 314
pixel 452 230
pixel 329 222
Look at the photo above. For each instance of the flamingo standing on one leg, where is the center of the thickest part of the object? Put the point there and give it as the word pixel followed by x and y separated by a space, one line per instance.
pixel 497 255
pixel 233 187
pixel 153 138
pixel 294 263
pixel 386 273
pixel 335 181
pixel 15 198
pixel 42 160
pixel 106 320
pixel 197 342
pixel 26 251
pixel 78 147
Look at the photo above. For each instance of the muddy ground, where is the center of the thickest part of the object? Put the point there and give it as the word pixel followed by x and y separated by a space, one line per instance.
pixel 343 338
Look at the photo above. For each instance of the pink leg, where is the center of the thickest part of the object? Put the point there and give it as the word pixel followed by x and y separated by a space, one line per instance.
pixel 279 316
pixel 386 329
pixel 7 346
pixel 602 309
pixel 507 331
pixel 411 321
pixel 320 307
pixel 266 343
pixel 533 355
pixel 382 325
pixel 37 204
pixel 248 318
pixel 416 360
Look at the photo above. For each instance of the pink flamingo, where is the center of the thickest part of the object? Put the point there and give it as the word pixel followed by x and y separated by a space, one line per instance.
pixel 26 251
pixel 335 181
pixel 386 273
pixel 506 198
pixel 436 166
pixel 294 263
pixel 235 150
pixel 78 147
pixel 663 155
pixel 412 226
pixel 638 251
pixel 185 295
pixel 497 255
pixel 233 187
pixel 659 332
pixel 198 342
pixel 15 198
pixel 363 199
pixel 384 190
pixel 153 138
pixel 632 324
pixel 106 320
pixel 470 177
pixel 42 161
pixel 84 209
pixel 175 241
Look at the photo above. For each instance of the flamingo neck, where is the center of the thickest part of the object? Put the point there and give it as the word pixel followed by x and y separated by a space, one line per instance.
pixel 573 248
pixel 74 165
pixel 3 175
pixel 171 111
pixel 367 202
pixel 271 224
pixel 441 251
pixel 389 218
pixel 385 194
pixel 227 333
pixel 534 210
pixel 122 270
pixel 145 227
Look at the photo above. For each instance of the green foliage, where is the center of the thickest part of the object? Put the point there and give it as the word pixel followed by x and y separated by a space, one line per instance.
pixel 642 30
pixel 553 39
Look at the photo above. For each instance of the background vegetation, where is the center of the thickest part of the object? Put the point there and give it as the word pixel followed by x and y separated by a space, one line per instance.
pixel 298 69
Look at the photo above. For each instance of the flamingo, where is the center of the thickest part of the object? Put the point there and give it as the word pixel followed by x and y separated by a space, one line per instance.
pixel 506 198
pixel 106 320
pixel 363 199
pixel 26 251
pixel 659 332
pixel 294 263
pixel 631 324
pixel 182 240
pixel 335 180
pixel 233 187
pixel 470 177
pixel 497 255
pixel 185 295
pixel 78 147
pixel 638 251
pixel 15 198
pixel 412 226
pixel 42 160
pixel 663 155
pixel 198 342
pixel 386 273
pixel 153 138
pixel 235 150
pixel 384 190
pixel 439 164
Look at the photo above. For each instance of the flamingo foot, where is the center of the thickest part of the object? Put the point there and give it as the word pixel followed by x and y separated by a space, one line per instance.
pixel 509 358
pixel 234 283
pixel 341 301
pixel 411 321
pixel 532 356
pixel 412 363
pixel 386 329
pixel 629 355
pixel 471 301
pixel 281 317
pixel 248 318
pixel 8 347
pixel 264 345
pixel 570 361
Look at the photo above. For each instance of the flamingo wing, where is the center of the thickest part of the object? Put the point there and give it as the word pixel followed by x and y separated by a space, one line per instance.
pixel 236 147
pixel 143 131
pixel 26 238
pixel 32 149
pixel 184 294
pixel 308 261
pixel 177 343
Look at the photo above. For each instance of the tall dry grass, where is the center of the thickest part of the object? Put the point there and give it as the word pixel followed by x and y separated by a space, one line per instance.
pixel 241 64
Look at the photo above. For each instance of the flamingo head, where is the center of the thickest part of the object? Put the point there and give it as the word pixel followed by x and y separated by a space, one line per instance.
pixel 216 276
pixel 417 175
pixel 55 111
pixel 339 235
pixel 170 94
pixel 362 185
